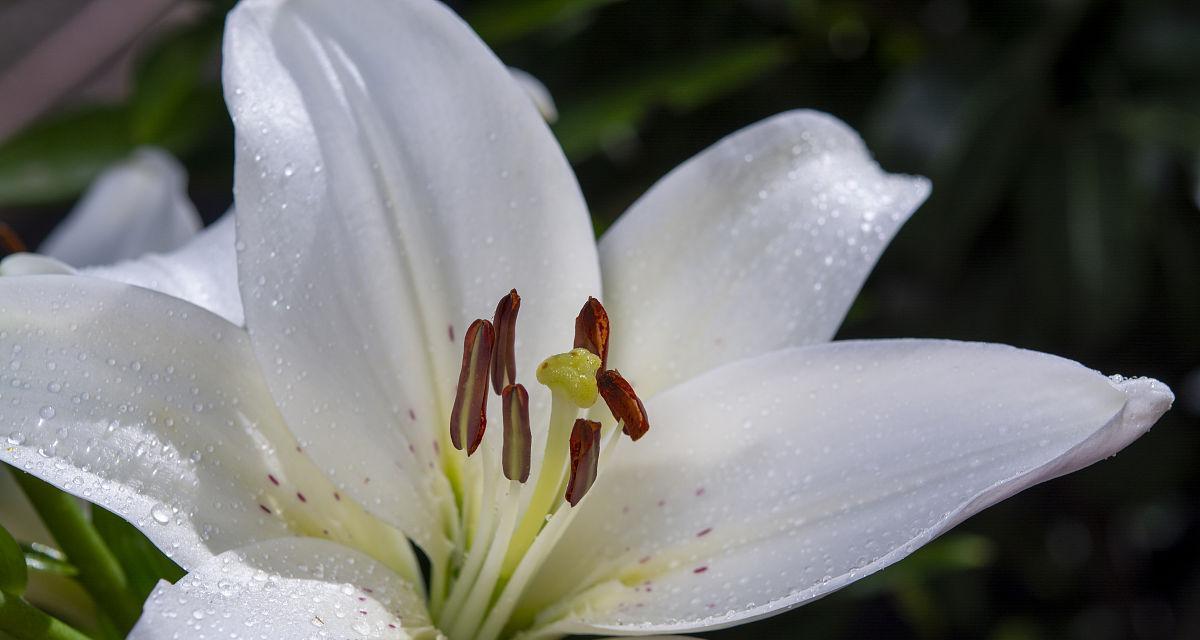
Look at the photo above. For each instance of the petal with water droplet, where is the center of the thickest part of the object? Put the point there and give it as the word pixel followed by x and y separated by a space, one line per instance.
pixel 286 588
pixel 772 481
pixel 155 409
pixel 424 187
pixel 758 243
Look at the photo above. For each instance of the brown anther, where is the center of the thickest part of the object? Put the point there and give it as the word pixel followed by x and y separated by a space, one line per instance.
pixel 585 458
pixel 623 403
pixel 504 358
pixel 591 330
pixel 518 441
pixel 468 419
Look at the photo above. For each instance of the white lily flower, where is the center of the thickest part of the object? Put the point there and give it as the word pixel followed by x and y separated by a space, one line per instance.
pixel 393 182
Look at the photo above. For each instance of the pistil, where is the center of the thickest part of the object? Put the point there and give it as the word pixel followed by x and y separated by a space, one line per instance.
pixel 510 525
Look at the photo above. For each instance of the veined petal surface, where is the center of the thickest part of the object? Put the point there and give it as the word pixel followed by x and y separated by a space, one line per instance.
pixel 294 588
pixel 155 409
pixel 758 243
pixel 138 206
pixel 392 183
pixel 772 481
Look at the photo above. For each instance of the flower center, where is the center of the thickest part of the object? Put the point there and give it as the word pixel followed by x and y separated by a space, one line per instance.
pixel 510 519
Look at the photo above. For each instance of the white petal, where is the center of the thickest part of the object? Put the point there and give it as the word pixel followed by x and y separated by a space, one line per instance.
pixel 33 264
pixel 155 409
pixel 537 92
pixel 772 481
pixel 290 588
pixel 393 182
pixel 203 271
pixel 758 243
pixel 136 207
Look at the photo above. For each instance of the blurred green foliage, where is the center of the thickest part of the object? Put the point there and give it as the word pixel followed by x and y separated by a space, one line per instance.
pixel 1063 141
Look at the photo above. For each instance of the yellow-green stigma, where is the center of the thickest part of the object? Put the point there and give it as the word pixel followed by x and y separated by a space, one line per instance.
pixel 573 374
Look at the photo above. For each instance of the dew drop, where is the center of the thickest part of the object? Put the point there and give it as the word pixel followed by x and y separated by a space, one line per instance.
pixel 161 513
pixel 47 412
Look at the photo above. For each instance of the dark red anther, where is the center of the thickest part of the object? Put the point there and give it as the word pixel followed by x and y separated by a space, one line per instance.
pixel 585 458
pixel 469 416
pixel 504 358
pixel 591 330
pixel 518 441
pixel 623 403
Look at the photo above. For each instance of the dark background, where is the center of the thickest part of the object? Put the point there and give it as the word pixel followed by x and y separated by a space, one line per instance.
pixel 1063 141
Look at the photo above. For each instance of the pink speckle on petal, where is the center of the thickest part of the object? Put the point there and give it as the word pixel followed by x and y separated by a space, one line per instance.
pixel 264 508
pixel 412 415
pixel 643 559
pixel 337 496
pixel 273 479
pixel 301 496
pixel 699 569
pixel 662 503
pixel 450 332
pixel 704 532
pixel 699 492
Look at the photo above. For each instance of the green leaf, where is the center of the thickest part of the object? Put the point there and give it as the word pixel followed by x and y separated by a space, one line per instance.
pixel 170 79
pixel 615 110
pixel 13 575
pixel 47 559
pixel 99 571
pixel 501 21
pixel 55 160
pixel 143 563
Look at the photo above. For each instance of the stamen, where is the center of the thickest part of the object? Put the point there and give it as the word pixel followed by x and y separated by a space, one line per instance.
pixel 468 419
pixel 591 330
pixel 518 442
pixel 573 373
pixel 585 458
pixel 624 404
pixel 504 360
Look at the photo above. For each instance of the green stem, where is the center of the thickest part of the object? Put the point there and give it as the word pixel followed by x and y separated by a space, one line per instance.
pixel 23 621
pixel 99 571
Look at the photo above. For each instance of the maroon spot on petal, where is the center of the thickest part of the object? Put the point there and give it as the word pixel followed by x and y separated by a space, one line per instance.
pixel 704 532
pixel 662 503
pixel 625 509
pixel 273 479
pixel 391 626
pixel 643 559
pixel 367 480
pixel 450 332
pixel 412 415
pixel 437 449
pixel 301 496
pixel 711 605
pixel 699 569
pixel 362 611
pixel 368 590
pixel 699 492
pixel 264 508
pixel 325 532
pixel 362 598
pixel 411 449
pixel 337 496
pixel 299 449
